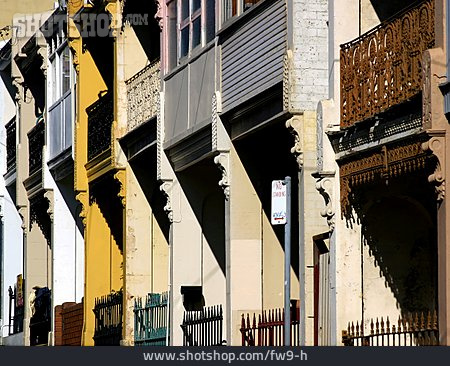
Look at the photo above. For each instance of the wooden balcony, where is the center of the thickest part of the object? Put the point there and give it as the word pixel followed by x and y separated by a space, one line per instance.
pixel 143 95
pixel 383 67
pixel 100 119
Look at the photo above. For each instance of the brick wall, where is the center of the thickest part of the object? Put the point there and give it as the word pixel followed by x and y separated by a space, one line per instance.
pixel 68 324
pixel 310 46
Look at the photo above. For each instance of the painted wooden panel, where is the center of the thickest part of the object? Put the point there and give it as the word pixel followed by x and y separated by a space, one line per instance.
pixel 252 56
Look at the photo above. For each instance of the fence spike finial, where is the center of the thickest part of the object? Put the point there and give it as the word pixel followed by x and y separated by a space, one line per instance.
pixel 388 325
pixel 371 327
pixel 422 321
pixel 435 320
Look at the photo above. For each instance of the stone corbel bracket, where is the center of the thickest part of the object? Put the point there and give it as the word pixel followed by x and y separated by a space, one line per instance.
pixel 166 188
pixel 436 145
pixel 223 163
pixel 49 196
pixel 295 126
pixel 120 178
pixel 324 186
pixel 83 198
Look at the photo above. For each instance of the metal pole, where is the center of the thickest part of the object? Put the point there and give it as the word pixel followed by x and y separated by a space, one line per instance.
pixel 287 265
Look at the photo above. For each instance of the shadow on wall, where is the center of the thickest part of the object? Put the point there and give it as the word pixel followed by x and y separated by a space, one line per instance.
pixel 398 225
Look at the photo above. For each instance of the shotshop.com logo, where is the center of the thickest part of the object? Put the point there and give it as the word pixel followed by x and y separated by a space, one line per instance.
pixel 88 25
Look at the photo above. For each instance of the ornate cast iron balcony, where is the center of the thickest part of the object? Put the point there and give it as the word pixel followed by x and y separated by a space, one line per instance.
pixel 383 67
pixel 100 119
pixel 143 95
pixel 11 145
pixel 36 141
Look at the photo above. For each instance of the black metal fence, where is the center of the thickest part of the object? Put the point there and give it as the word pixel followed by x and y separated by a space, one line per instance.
pixel 150 320
pixel 100 119
pixel 108 319
pixel 203 327
pixel 16 312
pixel 40 321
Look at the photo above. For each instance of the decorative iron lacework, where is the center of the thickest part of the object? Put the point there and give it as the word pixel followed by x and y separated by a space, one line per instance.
pixel 100 119
pixel 143 95
pixel 386 162
pixel 383 67
pixel 362 135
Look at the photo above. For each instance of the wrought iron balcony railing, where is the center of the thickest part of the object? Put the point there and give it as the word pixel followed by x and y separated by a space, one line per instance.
pixel 11 145
pixel 36 141
pixel 143 95
pixel 100 119
pixel 383 67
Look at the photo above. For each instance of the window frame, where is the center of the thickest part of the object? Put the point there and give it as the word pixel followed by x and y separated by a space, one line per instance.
pixel 58 45
pixel 188 23
pixel 240 9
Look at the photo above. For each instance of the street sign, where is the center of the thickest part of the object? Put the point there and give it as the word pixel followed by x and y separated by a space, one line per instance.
pixel 278 214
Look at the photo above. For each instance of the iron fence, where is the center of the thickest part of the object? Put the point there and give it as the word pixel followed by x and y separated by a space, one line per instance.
pixel 203 327
pixel 15 320
pixel 150 320
pixel 268 330
pixel 413 329
pixel 108 319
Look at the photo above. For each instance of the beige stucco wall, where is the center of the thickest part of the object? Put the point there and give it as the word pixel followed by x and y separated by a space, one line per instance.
pixel 9 8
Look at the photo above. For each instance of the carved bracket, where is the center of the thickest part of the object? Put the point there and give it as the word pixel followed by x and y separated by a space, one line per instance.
pixel 295 126
pixel 166 188
pixel 216 108
pixel 223 163
pixel 48 195
pixel 436 145
pixel 287 79
pixel 83 198
pixel 159 13
pixel 120 177
pixel 325 187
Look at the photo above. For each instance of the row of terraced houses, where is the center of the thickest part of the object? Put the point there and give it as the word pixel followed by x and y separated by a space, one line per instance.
pixel 139 142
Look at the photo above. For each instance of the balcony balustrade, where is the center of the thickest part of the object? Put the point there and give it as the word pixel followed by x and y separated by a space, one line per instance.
pixel 36 141
pixel 100 119
pixel 11 146
pixel 143 95
pixel 383 67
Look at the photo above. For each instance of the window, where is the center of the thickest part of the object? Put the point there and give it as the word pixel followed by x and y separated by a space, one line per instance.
pixel 236 7
pixel 191 24
pixel 61 67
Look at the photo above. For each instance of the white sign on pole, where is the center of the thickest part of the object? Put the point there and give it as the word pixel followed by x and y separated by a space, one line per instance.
pixel 278 214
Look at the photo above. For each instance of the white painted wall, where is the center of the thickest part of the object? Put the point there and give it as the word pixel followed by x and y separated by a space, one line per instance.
pixel 12 243
pixel 67 240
